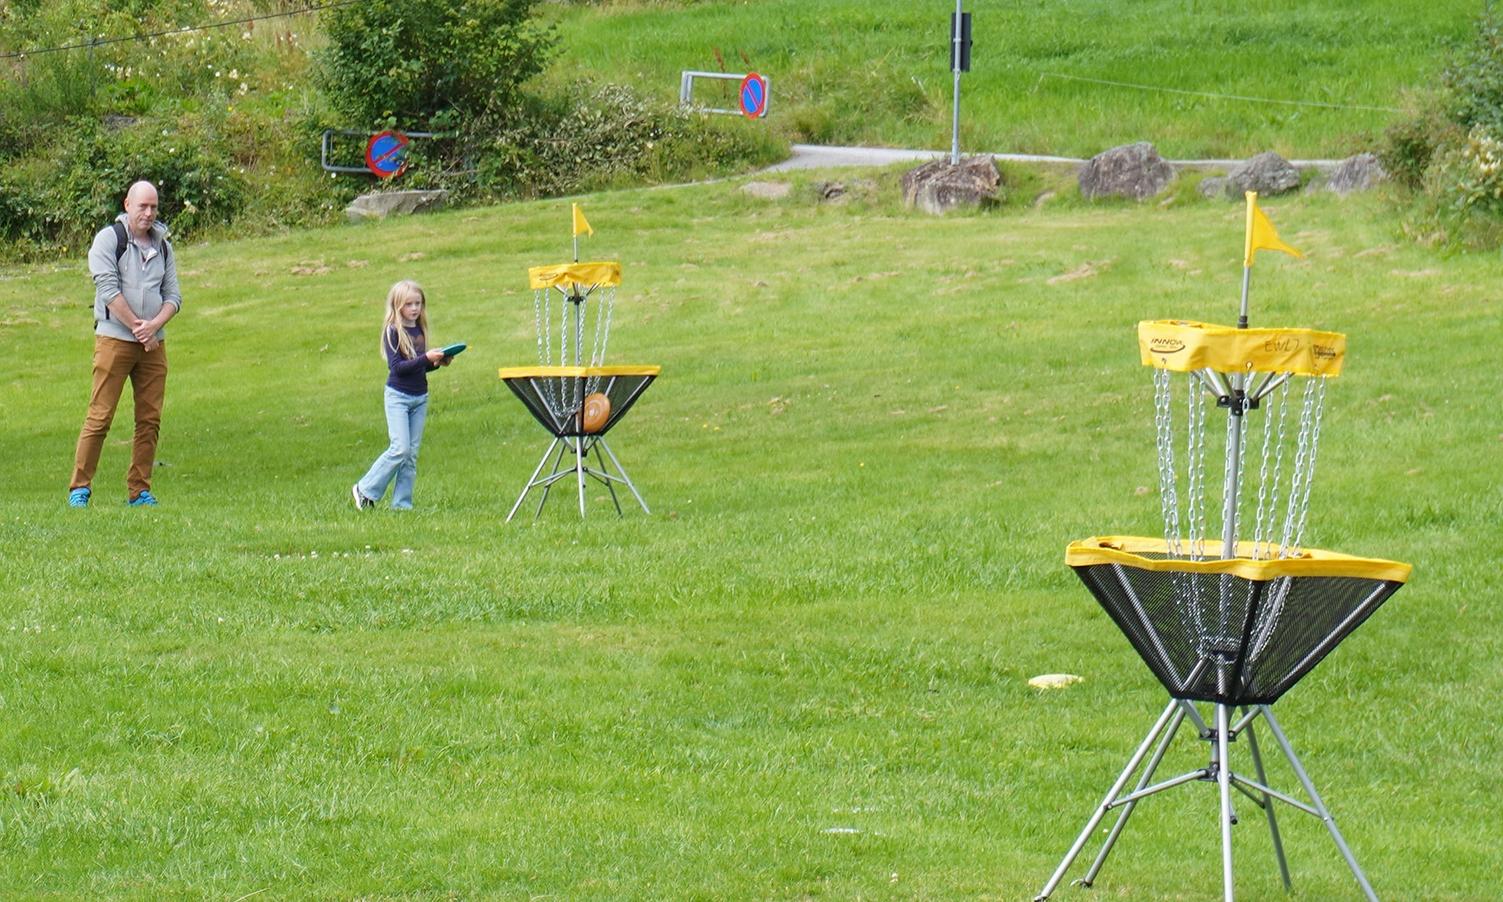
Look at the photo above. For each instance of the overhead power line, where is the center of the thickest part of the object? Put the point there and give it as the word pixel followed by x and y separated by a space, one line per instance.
pixel 185 29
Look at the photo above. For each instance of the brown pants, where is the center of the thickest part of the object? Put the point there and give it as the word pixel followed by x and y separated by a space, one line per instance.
pixel 114 360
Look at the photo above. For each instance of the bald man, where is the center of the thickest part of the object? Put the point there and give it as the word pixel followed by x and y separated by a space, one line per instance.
pixel 135 294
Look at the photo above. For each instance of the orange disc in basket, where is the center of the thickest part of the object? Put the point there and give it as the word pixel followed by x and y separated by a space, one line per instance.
pixel 597 410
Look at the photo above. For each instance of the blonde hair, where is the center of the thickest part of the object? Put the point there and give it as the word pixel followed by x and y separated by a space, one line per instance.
pixel 401 293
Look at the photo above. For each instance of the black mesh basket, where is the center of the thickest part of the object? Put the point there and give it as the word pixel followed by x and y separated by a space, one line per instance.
pixel 556 395
pixel 1238 631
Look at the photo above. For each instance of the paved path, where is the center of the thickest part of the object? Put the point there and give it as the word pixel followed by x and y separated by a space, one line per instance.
pixel 815 156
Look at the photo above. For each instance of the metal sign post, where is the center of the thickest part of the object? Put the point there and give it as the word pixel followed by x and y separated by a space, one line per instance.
pixel 960 61
pixel 753 93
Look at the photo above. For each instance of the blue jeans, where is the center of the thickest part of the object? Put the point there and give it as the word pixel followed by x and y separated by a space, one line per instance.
pixel 405 415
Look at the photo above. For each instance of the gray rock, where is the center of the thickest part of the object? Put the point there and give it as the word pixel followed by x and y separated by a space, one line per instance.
pixel 767 190
pixel 937 187
pixel 381 204
pixel 1213 186
pixel 1356 173
pixel 1267 173
pixel 1132 170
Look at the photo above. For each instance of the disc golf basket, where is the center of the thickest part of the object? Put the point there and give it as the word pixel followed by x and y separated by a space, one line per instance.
pixel 1221 620
pixel 574 395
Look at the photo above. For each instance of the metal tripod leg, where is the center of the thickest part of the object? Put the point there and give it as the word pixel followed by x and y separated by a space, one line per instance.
pixel 531 481
pixel 624 478
pixel 1324 812
pixel 606 478
pixel 1111 796
pixel 552 477
pixel 1153 765
pixel 1224 782
pixel 579 470
pixel 1273 821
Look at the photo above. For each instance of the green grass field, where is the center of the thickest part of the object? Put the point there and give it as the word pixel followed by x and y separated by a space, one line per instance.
pixel 877 72
pixel 805 674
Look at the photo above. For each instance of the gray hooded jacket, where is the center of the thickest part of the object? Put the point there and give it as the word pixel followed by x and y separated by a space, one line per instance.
pixel 147 279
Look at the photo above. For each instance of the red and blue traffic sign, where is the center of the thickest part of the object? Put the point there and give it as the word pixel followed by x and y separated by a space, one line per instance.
pixel 386 154
pixel 753 96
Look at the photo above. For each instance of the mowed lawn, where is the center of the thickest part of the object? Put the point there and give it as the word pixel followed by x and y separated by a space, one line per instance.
pixel 1198 78
pixel 804 675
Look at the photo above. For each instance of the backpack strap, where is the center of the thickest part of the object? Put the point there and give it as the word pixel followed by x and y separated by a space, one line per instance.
pixel 120 243
pixel 120 240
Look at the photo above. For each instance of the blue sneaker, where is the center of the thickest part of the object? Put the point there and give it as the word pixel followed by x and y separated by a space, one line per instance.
pixel 79 497
pixel 142 500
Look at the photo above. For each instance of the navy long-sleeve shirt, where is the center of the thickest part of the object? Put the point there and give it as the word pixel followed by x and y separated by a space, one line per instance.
pixel 409 375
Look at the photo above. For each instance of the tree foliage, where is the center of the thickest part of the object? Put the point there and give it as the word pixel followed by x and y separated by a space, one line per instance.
pixel 431 64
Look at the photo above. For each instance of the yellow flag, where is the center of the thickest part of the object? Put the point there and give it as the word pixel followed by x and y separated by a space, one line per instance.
pixel 1261 234
pixel 580 223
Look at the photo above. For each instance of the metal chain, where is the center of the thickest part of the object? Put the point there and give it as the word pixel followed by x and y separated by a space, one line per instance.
pixel 1280 443
pixel 1164 437
pixel 1196 455
pixel 1280 591
pixel 1242 452
pixel 1301 455
pixel 537 321
pixel 1263 486
pixel 542 313
pixel 1304 506
pixel 602 335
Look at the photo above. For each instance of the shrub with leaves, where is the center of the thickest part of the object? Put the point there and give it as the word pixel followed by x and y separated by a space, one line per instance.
pixel 430 65
pixel 592 138
pixel 1450 149
pixel 54 205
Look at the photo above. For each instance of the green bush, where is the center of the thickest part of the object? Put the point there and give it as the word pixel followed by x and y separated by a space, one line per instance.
pixel 1474 82
pixel 1410 144
pixel 56 204
pixel 592 138
pixel 432 65
pixel 1450 149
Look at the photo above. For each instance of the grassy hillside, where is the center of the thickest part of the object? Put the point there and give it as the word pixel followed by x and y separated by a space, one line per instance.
pixel 804 674
pixel 877 72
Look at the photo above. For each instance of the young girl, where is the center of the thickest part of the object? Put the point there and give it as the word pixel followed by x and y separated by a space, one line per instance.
pixel 404 341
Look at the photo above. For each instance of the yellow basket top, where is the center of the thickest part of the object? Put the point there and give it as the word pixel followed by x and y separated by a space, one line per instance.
pixel 552 372
pixel 561 274
pixel 1129 551
pixel 1184 346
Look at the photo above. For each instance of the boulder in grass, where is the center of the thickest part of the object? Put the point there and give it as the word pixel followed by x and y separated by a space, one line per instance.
pixel 381 204
pixel 1132 170
pixel 767 190
pixel 1356 173
pixel 1267 173
pixel 938 187
pixel 1212 186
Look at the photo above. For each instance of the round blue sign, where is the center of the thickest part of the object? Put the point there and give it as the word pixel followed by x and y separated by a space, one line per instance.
pixel 753 96
pixel 386 154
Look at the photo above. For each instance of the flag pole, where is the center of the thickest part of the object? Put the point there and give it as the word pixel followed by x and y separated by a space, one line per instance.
pixel 1247 252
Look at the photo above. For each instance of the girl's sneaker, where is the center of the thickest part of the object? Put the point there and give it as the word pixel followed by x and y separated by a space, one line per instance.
pixel 79 497
pixel 144 499
pixel 361 502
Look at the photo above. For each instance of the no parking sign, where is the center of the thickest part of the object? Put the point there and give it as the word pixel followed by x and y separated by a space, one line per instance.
pixel 386 154
pixel 753 96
